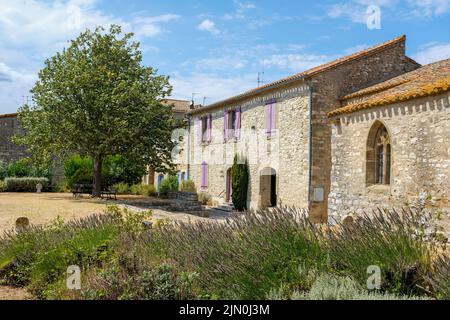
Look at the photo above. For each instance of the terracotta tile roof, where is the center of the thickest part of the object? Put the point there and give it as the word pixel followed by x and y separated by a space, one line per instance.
pixel 9 115
pixel 179 106
pixel 428 80
pixel 305 74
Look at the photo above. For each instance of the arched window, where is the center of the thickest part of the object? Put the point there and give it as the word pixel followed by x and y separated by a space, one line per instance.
pixel 378 160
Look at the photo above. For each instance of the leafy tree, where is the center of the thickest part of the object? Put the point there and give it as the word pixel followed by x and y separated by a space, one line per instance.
pixel 240 178
pixel 96 99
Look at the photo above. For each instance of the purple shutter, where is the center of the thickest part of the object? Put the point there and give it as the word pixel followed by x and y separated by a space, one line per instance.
pixel 237 130
pixel 200 129
pixel 273 118
pixel 225 125
pixel 206 176
pixel 268 113
pixel 204 185
pixel 208 128
pixel 203 176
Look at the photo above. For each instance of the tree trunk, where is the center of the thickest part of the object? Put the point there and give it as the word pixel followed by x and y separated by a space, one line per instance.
pixel 96 191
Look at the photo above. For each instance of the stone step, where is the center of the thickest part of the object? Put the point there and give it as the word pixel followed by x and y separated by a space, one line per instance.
pixel 225 207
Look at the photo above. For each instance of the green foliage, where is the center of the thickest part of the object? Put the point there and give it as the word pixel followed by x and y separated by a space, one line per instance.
pixel 384 239
pixel 116 169
pixel 169 184
pixel 3 170
pixel 39 257
pixel 2 186
pixel 275 254
pixel 240 178
pixel 122 188
pixel 331 287
pixel 24 168
pixel 78 170
pixel 96 98
pixel 143 190
pixel 188 186
pixel 25 184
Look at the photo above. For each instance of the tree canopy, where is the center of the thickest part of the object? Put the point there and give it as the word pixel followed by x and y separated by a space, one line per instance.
pixel 96 98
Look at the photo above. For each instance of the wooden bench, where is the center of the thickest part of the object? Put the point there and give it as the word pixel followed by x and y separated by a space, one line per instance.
pixel 109 193
pixel 80 189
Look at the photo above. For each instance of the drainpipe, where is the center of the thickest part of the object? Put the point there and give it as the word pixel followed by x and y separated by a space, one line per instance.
pixel 310 106
pixel 189 149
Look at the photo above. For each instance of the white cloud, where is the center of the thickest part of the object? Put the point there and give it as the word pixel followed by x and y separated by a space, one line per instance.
pixel 214 86
pixel 32 30
pixel 356 10
pixel 222 63
pixel 429 8
pixel 433 52
pixel 296 62
pixel 209 26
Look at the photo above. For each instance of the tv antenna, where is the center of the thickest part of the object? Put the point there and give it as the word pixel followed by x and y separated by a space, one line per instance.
pixel 261 74
pixel 193 98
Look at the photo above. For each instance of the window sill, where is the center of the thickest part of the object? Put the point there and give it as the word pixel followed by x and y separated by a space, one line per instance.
pixel 384 189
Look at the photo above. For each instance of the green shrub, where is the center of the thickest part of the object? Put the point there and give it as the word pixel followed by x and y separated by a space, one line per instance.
pixel 205 198
pixel 25 184
pixel 188 186
pixel 78 170
pixel 240 177
pixel 168 185
pixel 3 170
pixel 142 190
pixel 39 257
pixel 122 188
pixel 331 287
pixel 388 240
pixel 246 257
pixel 24 168
pixel 2 186
pixel 62 187
pixel 115 169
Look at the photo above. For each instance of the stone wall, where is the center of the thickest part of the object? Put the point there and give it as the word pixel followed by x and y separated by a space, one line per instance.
pixel 328 88
pixel 9 126
pixel 287 152
pixel 420 137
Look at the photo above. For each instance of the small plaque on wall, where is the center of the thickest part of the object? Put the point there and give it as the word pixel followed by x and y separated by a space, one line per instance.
pixel 319 194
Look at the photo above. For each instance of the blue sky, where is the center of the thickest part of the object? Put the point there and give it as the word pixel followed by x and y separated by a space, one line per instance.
pixel 216 48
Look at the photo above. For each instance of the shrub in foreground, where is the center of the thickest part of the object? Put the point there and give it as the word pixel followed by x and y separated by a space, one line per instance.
pixel 274 253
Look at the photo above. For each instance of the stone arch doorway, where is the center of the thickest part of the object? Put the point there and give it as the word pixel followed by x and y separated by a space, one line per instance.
pixel 268 188
pixel 378 155
pixel 229 186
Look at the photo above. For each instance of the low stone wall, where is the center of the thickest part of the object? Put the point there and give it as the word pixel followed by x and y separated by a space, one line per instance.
pixel 185 202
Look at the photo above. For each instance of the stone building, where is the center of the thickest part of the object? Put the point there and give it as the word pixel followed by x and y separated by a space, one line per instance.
pixel 285 130
pixel 179 108
pixel 391 143
pixel 9 126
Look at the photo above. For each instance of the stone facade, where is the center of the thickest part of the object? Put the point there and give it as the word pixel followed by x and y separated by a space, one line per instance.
pixel 303 170
pixel 286 153
pixel 419 130
pixel 9 126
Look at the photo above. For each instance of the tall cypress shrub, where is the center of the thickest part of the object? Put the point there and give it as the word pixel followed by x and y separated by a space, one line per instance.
pixel 240 177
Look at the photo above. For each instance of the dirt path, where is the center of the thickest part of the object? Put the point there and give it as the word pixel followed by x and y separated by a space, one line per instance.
pixel 9 293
